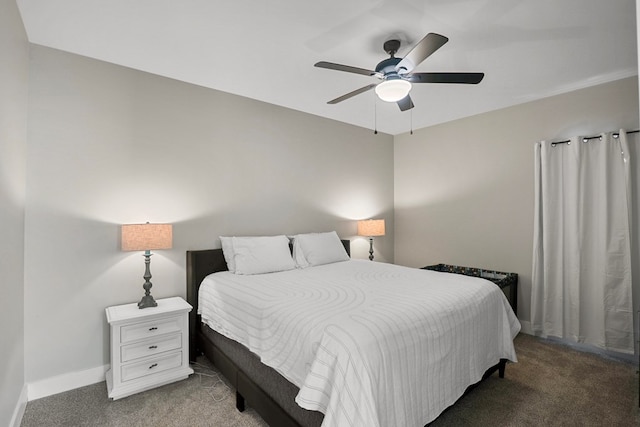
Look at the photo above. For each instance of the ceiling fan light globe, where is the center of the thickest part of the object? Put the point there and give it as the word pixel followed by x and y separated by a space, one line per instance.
pixel 393 90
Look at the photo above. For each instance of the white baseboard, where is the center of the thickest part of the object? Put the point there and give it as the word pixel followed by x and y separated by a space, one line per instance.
pixel 65 382
pixel 526 327
pixel 18 412
pixel 624 357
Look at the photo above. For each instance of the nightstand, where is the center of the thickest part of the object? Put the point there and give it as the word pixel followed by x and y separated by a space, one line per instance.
pixel 149 346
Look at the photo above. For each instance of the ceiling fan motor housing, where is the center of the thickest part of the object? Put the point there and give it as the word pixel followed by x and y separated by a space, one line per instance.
pixel 388 67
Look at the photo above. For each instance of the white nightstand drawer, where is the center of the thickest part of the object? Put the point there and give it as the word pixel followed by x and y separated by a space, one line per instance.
pixel 150 329
pixel 149 367
pixel 150 347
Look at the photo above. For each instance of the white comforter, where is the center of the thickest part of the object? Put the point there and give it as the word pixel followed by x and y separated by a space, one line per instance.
pixel 368 344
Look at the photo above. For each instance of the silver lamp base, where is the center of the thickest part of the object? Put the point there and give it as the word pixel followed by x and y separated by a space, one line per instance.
pixel 147 300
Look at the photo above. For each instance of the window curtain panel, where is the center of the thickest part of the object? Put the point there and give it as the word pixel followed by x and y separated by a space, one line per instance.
pixel 582 282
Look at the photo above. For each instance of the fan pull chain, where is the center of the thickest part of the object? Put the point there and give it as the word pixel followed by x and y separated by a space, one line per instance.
pixel 375 116
pixel 411 111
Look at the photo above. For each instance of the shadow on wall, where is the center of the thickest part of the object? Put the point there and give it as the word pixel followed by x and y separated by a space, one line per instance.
pixel 203 232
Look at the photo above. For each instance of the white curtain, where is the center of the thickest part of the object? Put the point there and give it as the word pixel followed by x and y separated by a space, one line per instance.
pixel 581 288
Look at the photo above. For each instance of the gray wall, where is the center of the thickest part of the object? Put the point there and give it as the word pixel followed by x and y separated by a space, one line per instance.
pixel 109 145
pixel 14 71
pixel 464 189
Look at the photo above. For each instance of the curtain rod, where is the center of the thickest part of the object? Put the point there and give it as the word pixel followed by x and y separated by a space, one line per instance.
pixel 588 138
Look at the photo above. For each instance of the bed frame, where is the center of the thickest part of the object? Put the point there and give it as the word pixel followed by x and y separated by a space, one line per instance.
pixel 270 394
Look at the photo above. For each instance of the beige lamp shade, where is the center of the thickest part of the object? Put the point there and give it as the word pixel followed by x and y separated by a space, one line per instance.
pixel 371 227
pixel 145 237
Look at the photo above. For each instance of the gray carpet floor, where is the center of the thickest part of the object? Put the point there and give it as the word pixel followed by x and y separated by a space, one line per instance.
pixel 551 385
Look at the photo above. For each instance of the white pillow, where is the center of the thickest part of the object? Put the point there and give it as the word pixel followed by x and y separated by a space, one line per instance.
pixel 227 251
pixel 264 254
pixel 318 248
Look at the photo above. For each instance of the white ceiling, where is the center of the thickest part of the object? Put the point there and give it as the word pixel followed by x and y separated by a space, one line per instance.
pixel 265 49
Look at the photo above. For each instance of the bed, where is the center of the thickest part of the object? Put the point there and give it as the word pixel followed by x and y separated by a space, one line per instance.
pixel 274 397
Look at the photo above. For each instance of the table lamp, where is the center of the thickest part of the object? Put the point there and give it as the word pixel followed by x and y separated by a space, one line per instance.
pixel 371 228
pixel 146 237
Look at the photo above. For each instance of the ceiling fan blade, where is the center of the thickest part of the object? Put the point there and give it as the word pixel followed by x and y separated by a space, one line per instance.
pixel 347 68
pixel 405 103
pixel 425 47
pixel 464 78
pixel 352 94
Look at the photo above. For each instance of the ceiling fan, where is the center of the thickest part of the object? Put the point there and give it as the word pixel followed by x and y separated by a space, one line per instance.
pixel 396 73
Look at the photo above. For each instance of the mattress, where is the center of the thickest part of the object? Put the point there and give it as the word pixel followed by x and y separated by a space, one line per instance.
pixel 367 344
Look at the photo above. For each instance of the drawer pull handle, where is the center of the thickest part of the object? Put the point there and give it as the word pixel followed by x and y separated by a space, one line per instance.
pixel 152 347
pixel 153 366
pixel 153 328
